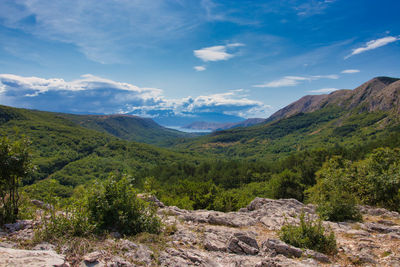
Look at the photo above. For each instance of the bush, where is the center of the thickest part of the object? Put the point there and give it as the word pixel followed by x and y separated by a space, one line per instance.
pixel 72 222
pixel 333 192
pixel 340 206
pixel 113 206
pixel 309 234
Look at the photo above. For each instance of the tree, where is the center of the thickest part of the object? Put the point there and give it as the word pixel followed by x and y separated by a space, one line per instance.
pixel 334 193
pixel 15 164
pixel 286 184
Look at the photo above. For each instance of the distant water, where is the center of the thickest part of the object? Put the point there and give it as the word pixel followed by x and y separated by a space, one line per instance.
pixel 186 130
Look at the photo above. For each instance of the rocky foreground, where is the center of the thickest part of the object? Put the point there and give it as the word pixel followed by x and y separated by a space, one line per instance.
pixel 209 238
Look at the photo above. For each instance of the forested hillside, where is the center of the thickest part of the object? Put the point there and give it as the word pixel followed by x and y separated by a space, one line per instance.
pixel 73 155
pixel 128 127
pixel 284 158
pixel 344 117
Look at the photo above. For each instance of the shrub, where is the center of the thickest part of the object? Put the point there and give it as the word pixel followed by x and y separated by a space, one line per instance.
pixel 309 234
pixel 72 222
pixel 333 192
pixel 113 206
pixel 340 206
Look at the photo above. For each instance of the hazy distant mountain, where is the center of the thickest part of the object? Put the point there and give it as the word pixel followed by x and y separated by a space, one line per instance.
pixel 344 117
pixel 214 126
pixel 171 119
pixel 380 93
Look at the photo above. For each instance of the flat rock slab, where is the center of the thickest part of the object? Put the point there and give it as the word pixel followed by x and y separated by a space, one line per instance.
pixel 33 258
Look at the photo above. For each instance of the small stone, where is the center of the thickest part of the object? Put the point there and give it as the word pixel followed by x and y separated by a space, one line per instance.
pixel 44 246
pixel 92 257
pixel 317 255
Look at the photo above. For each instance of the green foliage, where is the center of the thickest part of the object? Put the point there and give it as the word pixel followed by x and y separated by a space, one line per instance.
pixel 335 202
pixel 309 234
pixel 73 221
pixel 342 183
pixel 130 128
pixel 377 178
pixel 48 190
pixel 113 206
pixel 286 184
pixel 15 164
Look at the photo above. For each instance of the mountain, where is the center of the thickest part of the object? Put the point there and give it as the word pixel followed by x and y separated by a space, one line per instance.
pixel 168 118
pixel 381 93
pixel 71 154
pixel 344 117
pixel 215 126
pixel 128 127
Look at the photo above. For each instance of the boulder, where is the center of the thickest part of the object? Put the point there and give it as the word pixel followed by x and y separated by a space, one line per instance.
pixel 280 247
pixel 242 243
pixel 32 258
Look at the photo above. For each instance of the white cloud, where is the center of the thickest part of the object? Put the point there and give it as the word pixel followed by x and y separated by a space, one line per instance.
pixel 199 68
pixel 350 71
pixel 2 88
pixel 285 81
pixel 87 82
pixel 216 53
pixel 93 94
pixel 294 80
pixel 374 44
pixel 310 8
pixel 324 90
pixel 102 30
pixel 331 76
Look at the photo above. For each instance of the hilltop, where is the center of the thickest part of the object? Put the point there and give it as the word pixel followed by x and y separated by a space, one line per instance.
pixel 378 94
pixel 128 127
pixel 344 117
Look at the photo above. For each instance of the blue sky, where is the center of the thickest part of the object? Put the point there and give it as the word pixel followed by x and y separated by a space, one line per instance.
pixel 184 58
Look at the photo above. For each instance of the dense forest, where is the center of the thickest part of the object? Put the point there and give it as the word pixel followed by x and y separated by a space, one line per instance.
pixel 291 157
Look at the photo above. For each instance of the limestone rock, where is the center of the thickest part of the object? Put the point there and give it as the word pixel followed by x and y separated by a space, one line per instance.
pixel 280 247
pixel 32 258
pixel 152 199
pixel 242 243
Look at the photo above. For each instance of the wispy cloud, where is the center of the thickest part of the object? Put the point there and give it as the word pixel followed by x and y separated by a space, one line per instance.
pixel 216 53
pixel 310 8
pixel 102 30
pixel 93 94
pixel 199 68
pixel 371 45
pixel 323 90
pixel 294 80
pixel 350 71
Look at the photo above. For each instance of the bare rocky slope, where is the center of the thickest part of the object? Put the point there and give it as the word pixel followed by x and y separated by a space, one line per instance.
pixel 380 93
pixel 209 238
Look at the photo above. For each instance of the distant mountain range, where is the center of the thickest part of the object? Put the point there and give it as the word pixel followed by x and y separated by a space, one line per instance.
pixel 344 117
pixel 380 93
pixel 168 118
pixel 215 126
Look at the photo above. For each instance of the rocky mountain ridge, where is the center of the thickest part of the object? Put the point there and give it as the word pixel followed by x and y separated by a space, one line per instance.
pixel 210 238
pixel 380 93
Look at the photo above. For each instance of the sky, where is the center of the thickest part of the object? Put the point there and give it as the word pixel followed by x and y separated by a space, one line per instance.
pixel 179 61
